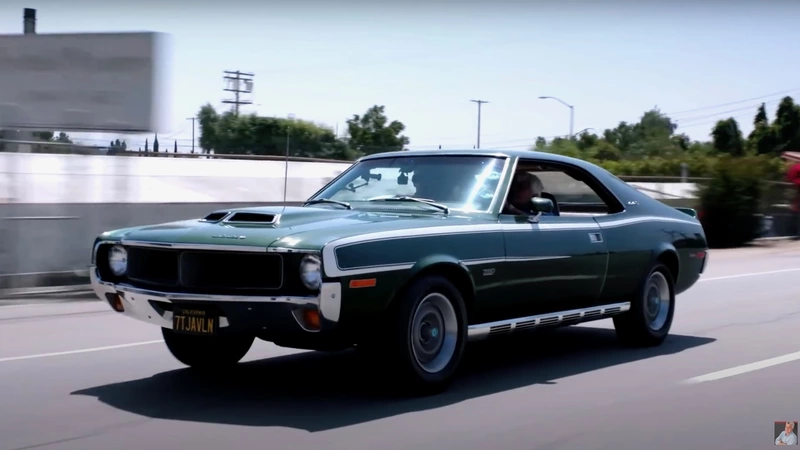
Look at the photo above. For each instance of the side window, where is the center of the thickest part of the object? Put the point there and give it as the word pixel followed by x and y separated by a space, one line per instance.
pixel 565 188
pixel 575 192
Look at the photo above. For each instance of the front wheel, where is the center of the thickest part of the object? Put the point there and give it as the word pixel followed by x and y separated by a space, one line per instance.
pixel 207 352
pixel 427 335
pixel 649 320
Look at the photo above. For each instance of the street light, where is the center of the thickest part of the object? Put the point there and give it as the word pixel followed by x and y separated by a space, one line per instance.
pixel 571 110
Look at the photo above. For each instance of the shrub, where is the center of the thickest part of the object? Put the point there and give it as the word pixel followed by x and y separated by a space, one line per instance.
pixel 698 166
pixel 729 201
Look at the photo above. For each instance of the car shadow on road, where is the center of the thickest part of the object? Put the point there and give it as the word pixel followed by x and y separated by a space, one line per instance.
pixel 321 391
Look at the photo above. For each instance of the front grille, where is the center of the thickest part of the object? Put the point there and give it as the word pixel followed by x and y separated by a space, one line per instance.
pixel 213 270
pixel 154 266
pixel 218 270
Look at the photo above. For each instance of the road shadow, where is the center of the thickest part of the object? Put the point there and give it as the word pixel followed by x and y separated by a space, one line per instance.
pixel 322 391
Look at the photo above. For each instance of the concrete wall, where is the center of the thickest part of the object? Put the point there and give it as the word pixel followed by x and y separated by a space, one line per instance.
pixel 53 206
pixel 50 244
pixel 56 179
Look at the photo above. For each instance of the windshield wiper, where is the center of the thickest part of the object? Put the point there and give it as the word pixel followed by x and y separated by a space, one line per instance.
pixel 406 198
pixel 327 200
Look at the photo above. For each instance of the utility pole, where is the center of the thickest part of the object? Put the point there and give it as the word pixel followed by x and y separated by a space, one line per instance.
pixel 480 103
pixel 192 119
pixel 239 83
pixel 286 163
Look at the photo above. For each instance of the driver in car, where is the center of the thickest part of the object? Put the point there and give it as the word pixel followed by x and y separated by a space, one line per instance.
pixel 426 183
pixel 524 187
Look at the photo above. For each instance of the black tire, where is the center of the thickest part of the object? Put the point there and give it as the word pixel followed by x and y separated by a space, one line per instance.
pixel 207 352
pixel 425 300
pixel 638 327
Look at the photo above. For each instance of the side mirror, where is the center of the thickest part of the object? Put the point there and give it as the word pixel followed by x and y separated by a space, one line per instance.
pixel 542 205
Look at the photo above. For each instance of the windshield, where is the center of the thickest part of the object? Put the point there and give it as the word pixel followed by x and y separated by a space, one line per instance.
pixel 460 182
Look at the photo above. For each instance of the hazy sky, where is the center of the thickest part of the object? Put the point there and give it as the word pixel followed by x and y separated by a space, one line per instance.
pixel 324 61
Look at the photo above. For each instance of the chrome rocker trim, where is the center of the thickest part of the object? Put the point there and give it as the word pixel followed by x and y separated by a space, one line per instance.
pixel 137 305
pixel 485 330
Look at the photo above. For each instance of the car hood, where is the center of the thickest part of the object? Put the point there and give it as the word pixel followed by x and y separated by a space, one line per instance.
pixel 297 227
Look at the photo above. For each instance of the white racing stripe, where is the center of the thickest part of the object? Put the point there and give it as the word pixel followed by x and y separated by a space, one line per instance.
pixel 75 352
pixel 751 274
pixel 738 370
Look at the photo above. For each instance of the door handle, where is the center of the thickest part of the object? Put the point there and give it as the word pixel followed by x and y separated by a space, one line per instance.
pixel 595 238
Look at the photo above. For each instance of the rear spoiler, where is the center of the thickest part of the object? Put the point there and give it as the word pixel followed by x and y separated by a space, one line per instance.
pixel 688 211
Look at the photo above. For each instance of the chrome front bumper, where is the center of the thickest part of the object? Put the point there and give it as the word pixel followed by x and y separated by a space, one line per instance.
pixel 137 301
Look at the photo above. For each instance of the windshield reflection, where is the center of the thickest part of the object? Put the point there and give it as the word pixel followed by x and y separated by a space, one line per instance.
pixel 462 182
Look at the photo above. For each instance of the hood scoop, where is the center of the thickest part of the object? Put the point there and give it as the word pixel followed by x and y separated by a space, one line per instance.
pixel 253 217
pixel 215 216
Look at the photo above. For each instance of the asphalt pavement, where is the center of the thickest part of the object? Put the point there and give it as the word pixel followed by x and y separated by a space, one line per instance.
pixel 76 376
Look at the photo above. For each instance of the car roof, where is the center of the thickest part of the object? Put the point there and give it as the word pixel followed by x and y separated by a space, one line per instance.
pixel 612 182
pixel 542 156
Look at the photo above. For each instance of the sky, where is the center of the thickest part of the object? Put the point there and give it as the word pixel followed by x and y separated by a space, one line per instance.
pixel 698 61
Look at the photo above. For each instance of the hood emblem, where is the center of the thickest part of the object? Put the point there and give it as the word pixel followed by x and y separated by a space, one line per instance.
pixel 227 236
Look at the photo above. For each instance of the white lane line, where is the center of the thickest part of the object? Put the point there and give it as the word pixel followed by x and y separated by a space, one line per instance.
pixel 75 352
pixel 738 370
pixel 752 274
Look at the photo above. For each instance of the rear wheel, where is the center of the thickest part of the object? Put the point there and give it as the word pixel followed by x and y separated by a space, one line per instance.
pixel 207 352
pixel 649 320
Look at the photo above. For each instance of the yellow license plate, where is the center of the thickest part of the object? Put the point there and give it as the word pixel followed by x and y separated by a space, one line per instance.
pixel 194 321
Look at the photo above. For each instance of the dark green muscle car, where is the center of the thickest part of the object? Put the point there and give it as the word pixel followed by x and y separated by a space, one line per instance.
pixel 407 256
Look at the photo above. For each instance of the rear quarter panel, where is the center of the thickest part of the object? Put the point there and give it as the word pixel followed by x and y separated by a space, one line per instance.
pixel 637 236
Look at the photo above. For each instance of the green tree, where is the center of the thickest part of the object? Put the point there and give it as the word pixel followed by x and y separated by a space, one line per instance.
pixel 373 133
pixel 761 117
pixel 229 133
pixel 727 137
pixel 787 125
pixel 586 141
pixel 762 140
pixel 208 119
pixel 43 135
pixel 566 147
pixel 118 145
pixel 604 151
pixel 730 200
pixel 63 138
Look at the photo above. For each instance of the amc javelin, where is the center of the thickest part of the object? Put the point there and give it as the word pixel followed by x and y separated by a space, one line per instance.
pixel 407 256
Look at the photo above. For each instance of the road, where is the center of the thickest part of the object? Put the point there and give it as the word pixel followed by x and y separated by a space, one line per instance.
pixel 75 376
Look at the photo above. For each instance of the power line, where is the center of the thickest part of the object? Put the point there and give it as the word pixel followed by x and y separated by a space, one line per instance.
pixel 239 83
pixel 721 105
pixel 749 108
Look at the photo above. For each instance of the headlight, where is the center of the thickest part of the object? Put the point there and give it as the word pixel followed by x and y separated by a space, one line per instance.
pixel 310 272
pixel 118 260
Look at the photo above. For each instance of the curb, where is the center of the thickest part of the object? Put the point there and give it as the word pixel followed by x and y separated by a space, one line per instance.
pixel 81 292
